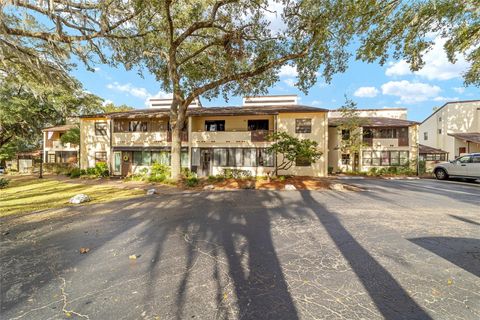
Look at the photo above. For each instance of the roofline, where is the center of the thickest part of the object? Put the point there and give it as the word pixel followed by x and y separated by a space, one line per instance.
pixel 459 101
pixel 333 110
pixel 58 125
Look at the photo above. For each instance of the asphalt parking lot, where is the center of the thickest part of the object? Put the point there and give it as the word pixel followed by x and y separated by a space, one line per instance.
pixel 400 249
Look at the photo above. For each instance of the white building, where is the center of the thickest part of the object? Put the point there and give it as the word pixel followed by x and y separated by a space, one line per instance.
pixel 454 127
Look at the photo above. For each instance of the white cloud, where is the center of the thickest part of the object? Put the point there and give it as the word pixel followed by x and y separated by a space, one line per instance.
pixel 288 71
pixel 290 82
pixel 459 90
pixel 105 102
pixel 316 103
pixel 162 95
pixel 366 92
pixel 410 92
pixel 437 66
pixel 96 69
pixel 440 98
pixel 130 89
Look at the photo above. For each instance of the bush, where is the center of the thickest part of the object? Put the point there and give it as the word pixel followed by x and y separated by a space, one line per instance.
pixel 76 173
pixel 236 173
pixel 191 181
pixel 101 169
pixel 159 173
pixel 330 170
pixel 4 183
pixel 373 171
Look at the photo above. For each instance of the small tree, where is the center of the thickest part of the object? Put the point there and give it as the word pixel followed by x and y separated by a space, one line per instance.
pixel 350 130
pixel 71 136
pixel 292 149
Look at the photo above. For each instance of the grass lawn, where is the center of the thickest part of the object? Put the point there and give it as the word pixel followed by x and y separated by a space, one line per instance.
pixel 26 194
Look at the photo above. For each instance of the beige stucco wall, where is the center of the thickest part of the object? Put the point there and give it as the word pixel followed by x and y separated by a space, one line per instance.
pixel 335 153
pixel 90 143
pixel 286 122
pixel 456 117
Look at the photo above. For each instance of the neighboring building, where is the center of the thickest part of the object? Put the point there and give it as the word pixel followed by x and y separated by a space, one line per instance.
pixel 215 138
pixel 431 156
pixel 454 127
pixel 388 140
pixel 24 162
pixel 53 149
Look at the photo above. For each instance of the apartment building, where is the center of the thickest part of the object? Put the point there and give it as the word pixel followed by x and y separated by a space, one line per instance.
pixel 454 128
pixel 216 138
pixel 54 151
pixel 388 139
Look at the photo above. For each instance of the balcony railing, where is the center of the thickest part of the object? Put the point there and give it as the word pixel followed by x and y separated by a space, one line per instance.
pixel 390 142
pixel 57 144
pixel 231 136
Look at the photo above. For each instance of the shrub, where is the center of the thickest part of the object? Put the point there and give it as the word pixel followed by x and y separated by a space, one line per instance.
pixel 76 173
pixel 159 173
pixel 330 170
pixel 4 183
pixel 236 173
pixel 191 181
pixel 372 171
pixel 101 169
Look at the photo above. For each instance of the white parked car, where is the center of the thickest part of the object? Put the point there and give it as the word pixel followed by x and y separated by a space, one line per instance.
pixel 466 166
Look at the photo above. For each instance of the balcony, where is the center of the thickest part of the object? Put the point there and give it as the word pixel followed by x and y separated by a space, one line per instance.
pixel 57 144
pixel 231 136
pixel 386 143
pixel 139 138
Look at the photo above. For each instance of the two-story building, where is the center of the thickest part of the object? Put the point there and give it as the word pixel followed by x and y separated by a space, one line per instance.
pixel 386 139
pixel 54 151
pixel 454 128
pixel 215 138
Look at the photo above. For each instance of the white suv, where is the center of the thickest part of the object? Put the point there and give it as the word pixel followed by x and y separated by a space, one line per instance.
pixel 466 166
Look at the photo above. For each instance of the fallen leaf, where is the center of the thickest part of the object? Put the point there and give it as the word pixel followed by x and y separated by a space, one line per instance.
pixel 68 314
pixel 449 282
pixel 133 257
pixel 84 250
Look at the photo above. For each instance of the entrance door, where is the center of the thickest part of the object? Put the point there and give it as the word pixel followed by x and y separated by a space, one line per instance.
pixel 205 162
pixel 117 163
pixel 126 163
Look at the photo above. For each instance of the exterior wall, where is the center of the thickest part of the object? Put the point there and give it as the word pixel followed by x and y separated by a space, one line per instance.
pixel 286 122
pixel 52 145
pixel 232 123
pixel 395 113
pixel 335 153
pixel 455 117
pixel 91 143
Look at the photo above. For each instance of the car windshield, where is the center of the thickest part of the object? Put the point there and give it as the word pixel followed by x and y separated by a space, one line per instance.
pixel 463 159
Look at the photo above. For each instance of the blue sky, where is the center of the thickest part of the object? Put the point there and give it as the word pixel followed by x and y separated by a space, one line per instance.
pixel 370 85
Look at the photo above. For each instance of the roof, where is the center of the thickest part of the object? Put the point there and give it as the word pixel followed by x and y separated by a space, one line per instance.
pixel 426 149
pixel 64 127
pixel 213 111
pixel 378 109
pixel 467 136
pixel 375 122
pixel 447 103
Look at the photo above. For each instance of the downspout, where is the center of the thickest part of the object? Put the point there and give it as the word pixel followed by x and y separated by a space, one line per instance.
pixel 275 127
pixel 111 149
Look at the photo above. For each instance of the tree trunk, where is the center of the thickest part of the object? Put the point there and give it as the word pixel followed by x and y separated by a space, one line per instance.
pixel 175 152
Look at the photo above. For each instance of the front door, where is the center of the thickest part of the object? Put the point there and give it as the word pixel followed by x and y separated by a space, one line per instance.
pixel 126 163
pixel 205 162
pixel 117 163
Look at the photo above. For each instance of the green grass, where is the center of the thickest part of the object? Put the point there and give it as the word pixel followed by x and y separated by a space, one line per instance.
pixel 32 194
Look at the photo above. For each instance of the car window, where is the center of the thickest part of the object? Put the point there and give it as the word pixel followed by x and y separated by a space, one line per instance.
pixel 464 159
pixel 476 159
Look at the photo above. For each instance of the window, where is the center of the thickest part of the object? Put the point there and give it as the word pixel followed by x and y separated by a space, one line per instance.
pixel 439 119
pixel 195 156
pixel 214 125
pixel 100 128
pixel 425 136
pixel 345 134
pixel 462 150
pixel 367 133
pixel 51 158
pixel 161 157
pixel 257 125
pixel 220 157
pixel 385 158
pixel 476 159
pixel 142 158
pixel 265 158
pixel 346 159
pixel 137 126
pixel 303 125
pixel 302 162
pixel 464 159
pixel 239 157
pixel 249 158
pixel 439 131
pixel 100 157
pixel 434 157
pixel 387 133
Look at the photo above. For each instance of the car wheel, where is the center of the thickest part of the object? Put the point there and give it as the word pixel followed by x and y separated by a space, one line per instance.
pixel 441 174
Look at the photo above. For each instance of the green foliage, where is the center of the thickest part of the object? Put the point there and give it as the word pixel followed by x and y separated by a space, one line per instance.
pixel 191 181
pixel 110 107
pixel 101 169
pixel 330 170
pixel 77 172
pixel 236 174
pixel 422 167
pixel 4 183
pixel 159 173
pixel 292 148
pixel 71 136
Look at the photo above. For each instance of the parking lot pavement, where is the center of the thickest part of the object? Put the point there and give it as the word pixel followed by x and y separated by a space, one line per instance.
pixel 401 249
